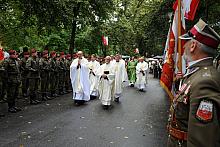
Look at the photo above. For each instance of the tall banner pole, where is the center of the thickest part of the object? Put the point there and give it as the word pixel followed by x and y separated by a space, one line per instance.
pixel 179 40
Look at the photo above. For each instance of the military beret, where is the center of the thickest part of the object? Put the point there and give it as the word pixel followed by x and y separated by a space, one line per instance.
pixel 204 34
pixel 26 53
pixel 45 52
pixel 11 52
pixel 52 52
pixel 62 53
pixel 74 55
pixel 68 55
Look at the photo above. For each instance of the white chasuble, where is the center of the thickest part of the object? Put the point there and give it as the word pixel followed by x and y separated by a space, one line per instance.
pixel 93 77
pixel 141 72
pixel 105 84
pixel 80 79
pixel 120 78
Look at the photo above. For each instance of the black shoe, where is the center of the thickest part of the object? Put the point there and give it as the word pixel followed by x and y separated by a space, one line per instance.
pixel 37 101
pixel 2 115
pixel 92 97
pixel 17 109
pixel 33 102
pixel 141 90
pixel 132 85
pixel 117 99
pixel 105 107
pixel 12 110
pixel 44 99
pixel 49 98
pixel 25 95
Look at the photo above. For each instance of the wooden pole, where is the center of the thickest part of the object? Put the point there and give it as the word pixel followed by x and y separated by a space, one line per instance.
pixel 179 40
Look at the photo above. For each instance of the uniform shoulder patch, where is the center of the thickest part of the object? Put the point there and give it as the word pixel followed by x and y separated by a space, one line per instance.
pixel 205 111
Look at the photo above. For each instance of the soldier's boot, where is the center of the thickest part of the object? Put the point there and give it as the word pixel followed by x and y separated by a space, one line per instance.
pixel 64 90
pixel 48 97
pixel 36 95
pixel 44 97
pixel 61 91
pixel 53 93
pixel 11 108
pixel 16 108
pixel 25 94
pixel 2 115
pixel 32 99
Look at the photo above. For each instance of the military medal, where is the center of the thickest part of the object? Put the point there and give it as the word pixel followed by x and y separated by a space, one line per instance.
pixel 205 111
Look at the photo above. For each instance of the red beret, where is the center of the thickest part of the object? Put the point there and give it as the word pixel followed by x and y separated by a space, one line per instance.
pixel 74 55
pixel 26 53
pixel 11 52
pixel 45 52
pixel 68 55
pixel 62 53
pixel 52 52
pixel 33 50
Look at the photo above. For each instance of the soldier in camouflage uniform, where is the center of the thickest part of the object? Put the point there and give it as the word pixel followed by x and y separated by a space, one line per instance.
pixel 53 74
pixel 33 76
pixel 44 67
pixel 194 119
pixel 24 73
pixel 62 71
pixel 13 80
pixel 67 77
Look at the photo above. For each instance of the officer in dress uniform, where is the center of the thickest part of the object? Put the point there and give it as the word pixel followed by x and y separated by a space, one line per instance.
pixel 194 119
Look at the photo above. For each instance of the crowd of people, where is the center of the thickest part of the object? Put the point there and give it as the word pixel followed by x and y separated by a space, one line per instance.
pixel 46 75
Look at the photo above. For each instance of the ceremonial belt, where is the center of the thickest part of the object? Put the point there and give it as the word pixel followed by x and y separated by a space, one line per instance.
pixel 180 135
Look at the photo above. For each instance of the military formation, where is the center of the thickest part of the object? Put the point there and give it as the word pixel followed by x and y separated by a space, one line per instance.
pixel 40 78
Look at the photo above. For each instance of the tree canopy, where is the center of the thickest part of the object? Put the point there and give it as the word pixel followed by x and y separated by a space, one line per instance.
pixel 71 25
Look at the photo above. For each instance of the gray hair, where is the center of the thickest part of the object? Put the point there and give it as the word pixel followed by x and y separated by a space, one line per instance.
pixel 206 49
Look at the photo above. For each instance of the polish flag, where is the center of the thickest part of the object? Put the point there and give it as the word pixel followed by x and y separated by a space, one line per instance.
pixel 105 40
pixel 189 8
pixel 136 51
pixel 170 68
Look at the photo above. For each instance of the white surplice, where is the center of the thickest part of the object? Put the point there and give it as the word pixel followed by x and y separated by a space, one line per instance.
pixel 80 79
pixel 105 85
pixel 141 81
pixel 120 78
pixel 93 67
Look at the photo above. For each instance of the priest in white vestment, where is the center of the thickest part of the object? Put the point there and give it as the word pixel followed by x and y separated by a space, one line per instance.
pixel 93 67
pixel 106 81
pixel 141 72
pixel 120 77
pixel 79 75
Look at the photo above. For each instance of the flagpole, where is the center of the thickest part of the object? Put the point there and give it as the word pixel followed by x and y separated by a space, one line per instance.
pixel 179 40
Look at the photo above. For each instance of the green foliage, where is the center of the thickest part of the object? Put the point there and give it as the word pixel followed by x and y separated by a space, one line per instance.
pixel 129 24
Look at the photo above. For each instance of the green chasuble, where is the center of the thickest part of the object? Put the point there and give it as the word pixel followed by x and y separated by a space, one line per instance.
pixel 132 71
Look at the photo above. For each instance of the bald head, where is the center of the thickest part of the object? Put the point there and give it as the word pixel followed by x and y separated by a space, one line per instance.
pixel 107 59
pixel 80 54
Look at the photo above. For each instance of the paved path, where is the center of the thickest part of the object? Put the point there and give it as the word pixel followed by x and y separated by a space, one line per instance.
pixel 139 120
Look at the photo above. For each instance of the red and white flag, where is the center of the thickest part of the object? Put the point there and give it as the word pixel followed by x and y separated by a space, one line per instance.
pixel 136 51
pixel 105 40
pixel 171 57
pixel 189 8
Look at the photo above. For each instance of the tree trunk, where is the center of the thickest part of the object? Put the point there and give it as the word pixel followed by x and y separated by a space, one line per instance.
pixel 73 33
